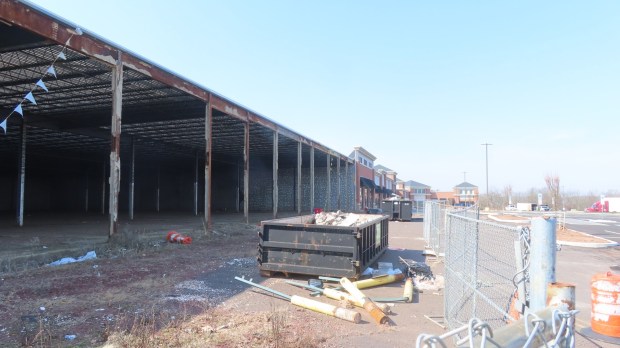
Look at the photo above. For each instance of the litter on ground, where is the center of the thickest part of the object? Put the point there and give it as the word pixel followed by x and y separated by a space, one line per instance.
pixel 65 260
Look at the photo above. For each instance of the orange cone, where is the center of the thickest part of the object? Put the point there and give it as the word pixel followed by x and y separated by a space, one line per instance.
pixel 175 237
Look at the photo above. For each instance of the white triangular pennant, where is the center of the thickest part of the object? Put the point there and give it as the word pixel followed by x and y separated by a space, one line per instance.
pixel 62 56
pixel 51 71
pixel 3 125
pixel 42 85
pixel 30 97
pixel 18 109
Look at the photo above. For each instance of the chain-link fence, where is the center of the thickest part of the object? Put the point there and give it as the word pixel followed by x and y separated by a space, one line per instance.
pixel 434 226
pixel 435 223
pixel 482 269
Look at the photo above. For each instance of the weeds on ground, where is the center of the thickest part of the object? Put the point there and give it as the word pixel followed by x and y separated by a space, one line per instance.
pixel 215 327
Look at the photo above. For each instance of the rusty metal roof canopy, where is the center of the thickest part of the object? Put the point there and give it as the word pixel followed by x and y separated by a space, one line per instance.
pixel 162 112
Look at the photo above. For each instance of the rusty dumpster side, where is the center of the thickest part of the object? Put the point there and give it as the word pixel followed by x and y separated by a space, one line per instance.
pixel 291 246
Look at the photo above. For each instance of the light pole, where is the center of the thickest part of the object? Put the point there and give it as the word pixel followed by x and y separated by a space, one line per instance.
pixel 486 146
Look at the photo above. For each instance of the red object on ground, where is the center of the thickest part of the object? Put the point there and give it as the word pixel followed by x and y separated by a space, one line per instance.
pixel 318 210
pixel 175 237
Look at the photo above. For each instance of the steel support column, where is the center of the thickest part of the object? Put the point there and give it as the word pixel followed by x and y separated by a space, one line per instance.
pixel 21 176
pixel 103 184
pixel 311 179
pixel 157 190
pixel 86 194
pixel 328 187
pixel 196 184
pixel 238 189
pixel 246 171
pixel 208 147
pixel 275 174
pixel 115 147
pixel 339 187
pixel 299 165
pixel 346 186
pixel 132 174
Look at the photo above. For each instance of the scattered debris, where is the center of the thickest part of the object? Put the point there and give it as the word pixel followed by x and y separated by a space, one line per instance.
pixel 320 307
pixel 340 219
pixel 417 269
pixel 70 337
pixel 435 284
pixel 175 237
pixel 65 260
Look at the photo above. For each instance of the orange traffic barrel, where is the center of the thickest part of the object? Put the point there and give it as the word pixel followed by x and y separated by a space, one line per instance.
pixel 605 316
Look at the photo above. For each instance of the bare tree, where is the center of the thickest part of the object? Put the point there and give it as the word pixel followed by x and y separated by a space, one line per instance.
pixel 553 185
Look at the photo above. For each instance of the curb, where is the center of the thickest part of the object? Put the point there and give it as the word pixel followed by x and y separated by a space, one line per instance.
pixel 492 217
pixel 606 244
pixel 589 245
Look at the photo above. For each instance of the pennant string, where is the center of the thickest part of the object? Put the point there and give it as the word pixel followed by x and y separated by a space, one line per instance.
pixel 41 84
pixel 51 71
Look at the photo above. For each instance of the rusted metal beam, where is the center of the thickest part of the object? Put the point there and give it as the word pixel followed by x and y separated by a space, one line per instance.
pixel 208 153
pixel 311 179
pixel 299 165
pixel 115 143
pixel 21 176
pixel 275 174
pixel 246 171
pixel 132 177
pixel 37 21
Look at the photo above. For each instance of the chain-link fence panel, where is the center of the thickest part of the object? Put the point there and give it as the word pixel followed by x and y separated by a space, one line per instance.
pixel 434 226
pixel 480 266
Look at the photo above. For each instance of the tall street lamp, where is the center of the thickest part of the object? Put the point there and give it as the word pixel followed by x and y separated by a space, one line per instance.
pixel 486 145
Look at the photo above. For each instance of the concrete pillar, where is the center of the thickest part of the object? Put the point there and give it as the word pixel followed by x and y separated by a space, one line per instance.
pixel 208 147
pixel 132 178
pixel 299 165
pixel 311 179
pixel 115 151
pixel 246 172
pixel 275 174
pixel 21 176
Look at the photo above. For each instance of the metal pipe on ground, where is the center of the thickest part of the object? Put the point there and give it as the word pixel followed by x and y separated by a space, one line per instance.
pixel 320 307
pixel 517 335
pixel 339 295
pixel 375 312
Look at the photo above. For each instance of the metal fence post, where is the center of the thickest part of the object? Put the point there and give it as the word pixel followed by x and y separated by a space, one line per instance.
pixel 542 260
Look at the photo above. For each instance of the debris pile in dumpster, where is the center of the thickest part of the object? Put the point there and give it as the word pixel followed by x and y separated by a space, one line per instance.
pixel 345 297
pixel 341 219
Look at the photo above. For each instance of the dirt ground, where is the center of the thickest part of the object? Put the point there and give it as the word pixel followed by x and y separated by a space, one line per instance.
pixel 167 295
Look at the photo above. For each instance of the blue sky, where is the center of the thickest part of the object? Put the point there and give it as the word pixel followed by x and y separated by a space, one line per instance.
pixel 420 84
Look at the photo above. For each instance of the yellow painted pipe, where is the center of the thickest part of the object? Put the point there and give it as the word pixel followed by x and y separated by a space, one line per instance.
pixel 368 283
pixel 339 295
pixel 340 313
pixel 408 293
pixel 375 312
